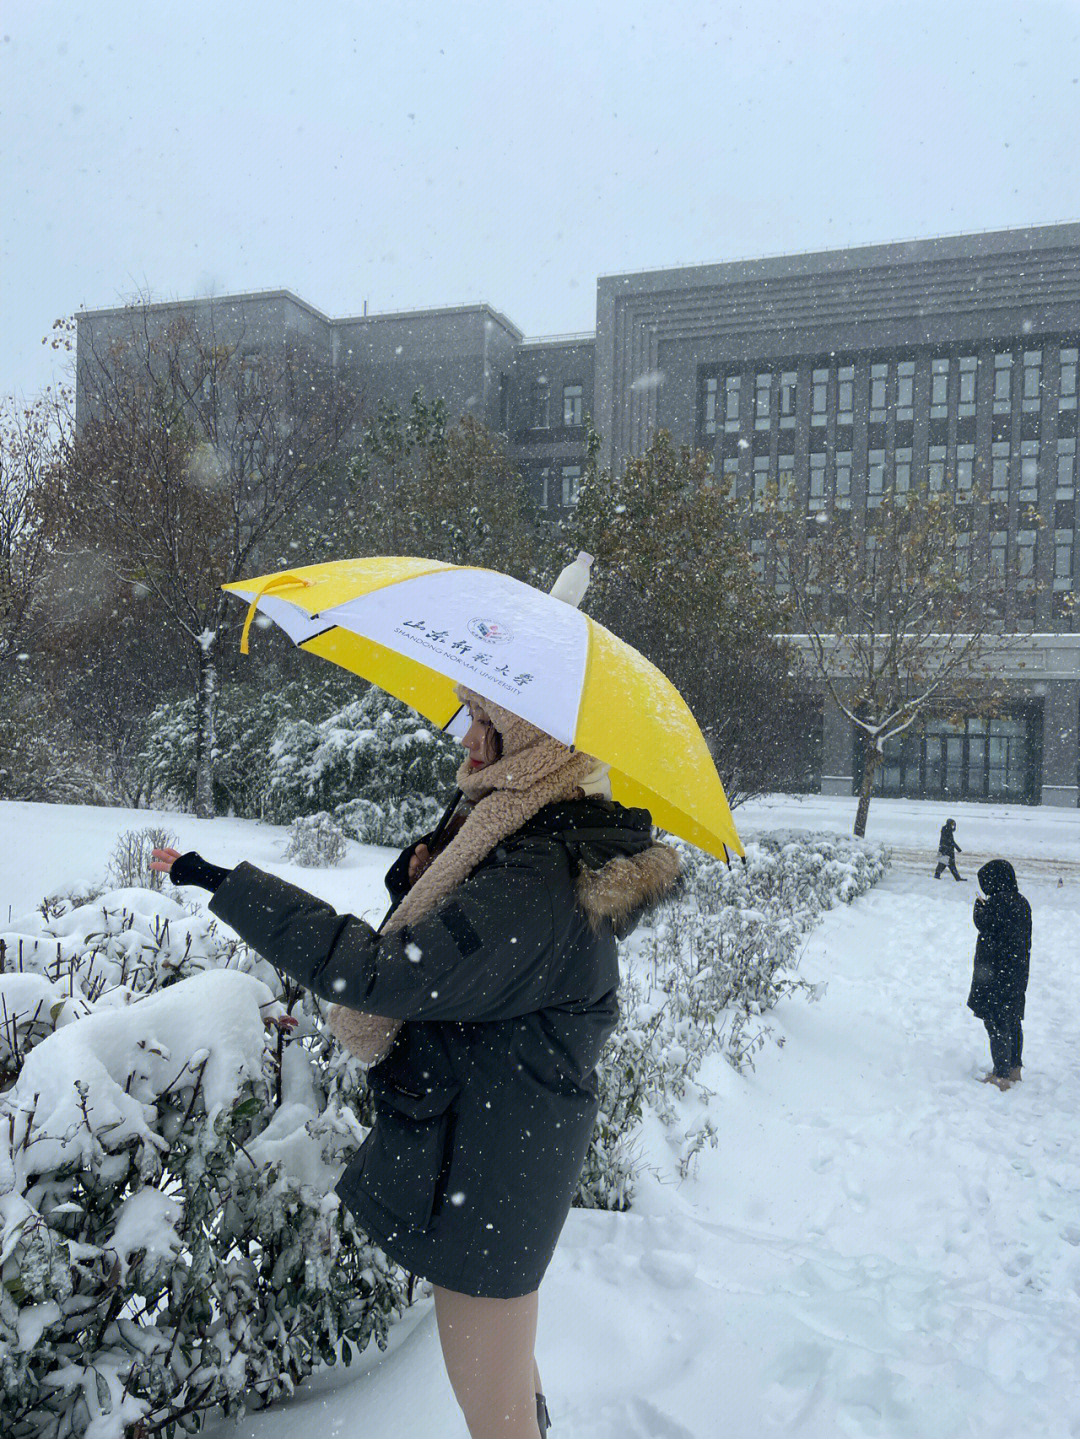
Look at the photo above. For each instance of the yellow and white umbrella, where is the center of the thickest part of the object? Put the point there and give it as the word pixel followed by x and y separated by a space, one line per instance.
pixel 418 627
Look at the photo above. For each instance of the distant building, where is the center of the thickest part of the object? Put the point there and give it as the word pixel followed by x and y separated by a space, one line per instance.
pixel 843 374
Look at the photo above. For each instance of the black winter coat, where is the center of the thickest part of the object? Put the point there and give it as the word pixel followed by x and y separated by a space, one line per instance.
pixel 486 1102
pixel 947 842
pixel 1003 948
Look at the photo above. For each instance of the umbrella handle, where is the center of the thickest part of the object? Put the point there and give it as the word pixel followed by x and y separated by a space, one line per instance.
pixel 436 834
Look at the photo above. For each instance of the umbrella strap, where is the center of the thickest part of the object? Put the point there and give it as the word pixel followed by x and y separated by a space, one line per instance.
pixel 275 582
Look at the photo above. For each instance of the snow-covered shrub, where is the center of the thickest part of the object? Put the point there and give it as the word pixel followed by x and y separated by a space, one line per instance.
pixel 169 1240
pixel 315 839
pixel 246 718
pixel 395 822
pixel 129 867
pixel 380 769
pixel 714 960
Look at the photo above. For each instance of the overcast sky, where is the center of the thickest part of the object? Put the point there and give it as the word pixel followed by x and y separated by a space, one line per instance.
pixel 420 153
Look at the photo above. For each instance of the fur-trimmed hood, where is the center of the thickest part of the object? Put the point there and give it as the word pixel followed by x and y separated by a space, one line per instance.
pixel 621 872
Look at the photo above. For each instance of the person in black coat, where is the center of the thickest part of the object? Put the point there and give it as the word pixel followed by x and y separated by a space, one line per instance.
pixel 1000 978
pixel 491 1006
pixel 947 851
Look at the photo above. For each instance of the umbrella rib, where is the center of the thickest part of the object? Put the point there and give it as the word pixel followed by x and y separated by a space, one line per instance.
pixel 316 636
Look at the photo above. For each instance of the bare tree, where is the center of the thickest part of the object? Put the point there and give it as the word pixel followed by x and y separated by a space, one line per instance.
pixel 898 619
pixel 199 454
pixel 32 441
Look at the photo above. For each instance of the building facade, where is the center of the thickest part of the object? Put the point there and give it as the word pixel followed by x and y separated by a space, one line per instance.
pixel 838 376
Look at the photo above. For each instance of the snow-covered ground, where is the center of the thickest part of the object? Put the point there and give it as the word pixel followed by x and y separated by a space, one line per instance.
pixel 880 1246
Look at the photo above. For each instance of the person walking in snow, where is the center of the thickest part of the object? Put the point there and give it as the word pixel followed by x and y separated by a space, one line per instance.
pixel 1000 978
pixel 482 1006
pixel 947 851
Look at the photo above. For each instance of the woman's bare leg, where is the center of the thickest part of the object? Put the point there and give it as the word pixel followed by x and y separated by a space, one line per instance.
pixel 488 1348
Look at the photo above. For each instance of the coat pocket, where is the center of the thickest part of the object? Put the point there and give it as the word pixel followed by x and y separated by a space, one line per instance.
pixel 404 1155
pixel 401 1164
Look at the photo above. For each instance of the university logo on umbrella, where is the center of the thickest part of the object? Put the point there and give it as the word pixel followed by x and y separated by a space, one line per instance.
pixel 417 627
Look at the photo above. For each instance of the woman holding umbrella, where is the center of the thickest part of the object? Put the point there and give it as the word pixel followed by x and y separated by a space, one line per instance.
pixel 482 1006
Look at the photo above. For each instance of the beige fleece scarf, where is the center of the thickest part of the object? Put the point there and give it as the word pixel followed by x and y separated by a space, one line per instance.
pixel 533 770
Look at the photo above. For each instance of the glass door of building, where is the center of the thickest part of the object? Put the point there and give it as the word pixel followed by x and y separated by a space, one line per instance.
pixel 991 759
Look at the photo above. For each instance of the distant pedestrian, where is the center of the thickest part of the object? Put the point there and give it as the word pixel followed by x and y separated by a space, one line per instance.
pixel 947 850
pixel 999 981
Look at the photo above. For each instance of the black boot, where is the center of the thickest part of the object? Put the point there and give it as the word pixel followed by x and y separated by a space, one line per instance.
pixel 543 1418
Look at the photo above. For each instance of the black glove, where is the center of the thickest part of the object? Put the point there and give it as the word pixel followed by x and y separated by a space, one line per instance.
pixel 191 868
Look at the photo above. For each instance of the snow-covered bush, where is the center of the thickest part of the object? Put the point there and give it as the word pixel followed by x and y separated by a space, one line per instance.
pixel 715 959
pixel 246 718
pixel 350 762
pixel 394 822
pixel 169 1239
pixel 297 751
pixel 315 839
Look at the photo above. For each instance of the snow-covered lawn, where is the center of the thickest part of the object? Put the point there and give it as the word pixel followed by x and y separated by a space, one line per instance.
pixel 880 1246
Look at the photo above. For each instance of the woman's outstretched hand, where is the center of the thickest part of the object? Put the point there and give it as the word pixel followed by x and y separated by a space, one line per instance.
pixel 162 860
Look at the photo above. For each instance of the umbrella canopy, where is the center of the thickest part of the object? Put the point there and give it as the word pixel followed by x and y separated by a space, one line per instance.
pixel 418 627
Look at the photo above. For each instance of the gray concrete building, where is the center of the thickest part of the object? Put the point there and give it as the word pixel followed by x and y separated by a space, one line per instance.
pixel 842 375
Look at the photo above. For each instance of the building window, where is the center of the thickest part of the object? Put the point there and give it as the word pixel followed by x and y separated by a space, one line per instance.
pixel 999 540
pixel 732 409
pixel 545 487
pixel 1032 392
pixel 845 395
pixel 571 482
pixel 965 471
pixel 819 397
pixel 1000 454
pixel 787 399
pixel 843 479
pixel 905 390
pixel 251 376
pixel 1063 559
pixel 711 384
pixel 541 405
pixel 879 391
pixel 903 470
pixel 937 467
pixel 785 465
pixel 969 371
pixel 783 574
pixel 1003 384
pixel 1029 471
pixel 762 398
pixel 817 480
pixel 939 389
pixel 761 480
pixel 572 399
pixel 1067 387
pixel 731 477
pixel 757 559
pixel 875 477
pixel 1025 556
pixel 1066 470
pixel 963 553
